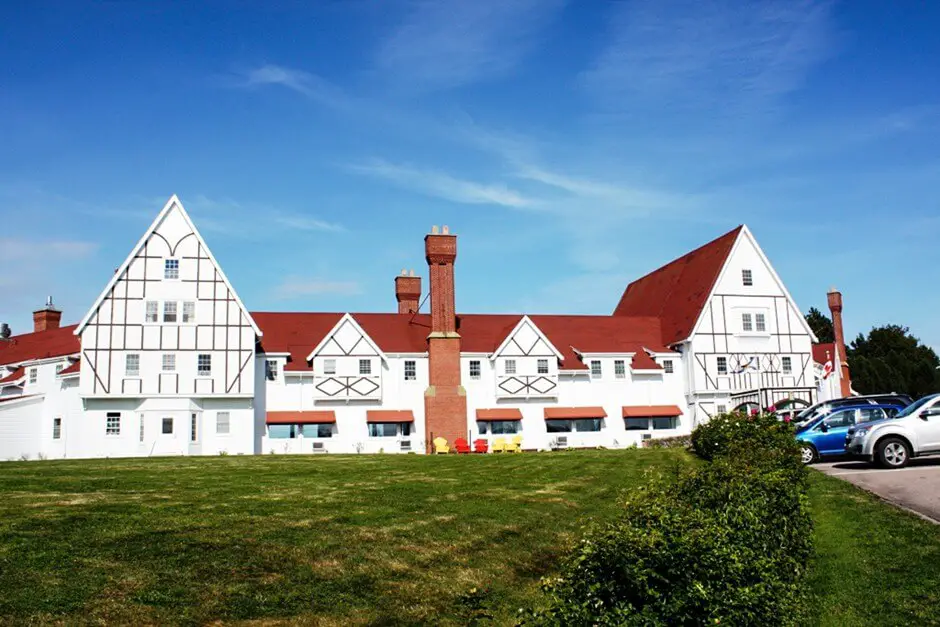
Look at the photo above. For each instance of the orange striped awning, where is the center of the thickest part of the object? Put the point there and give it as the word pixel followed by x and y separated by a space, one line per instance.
pixel 389 415
pixel 574 413
pixel 651 411
pixel 301 417
pixel 501 413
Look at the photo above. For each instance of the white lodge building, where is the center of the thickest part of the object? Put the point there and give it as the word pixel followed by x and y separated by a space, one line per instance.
pixel 168 361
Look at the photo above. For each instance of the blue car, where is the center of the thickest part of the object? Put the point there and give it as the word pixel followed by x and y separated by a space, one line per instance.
pixel 824 435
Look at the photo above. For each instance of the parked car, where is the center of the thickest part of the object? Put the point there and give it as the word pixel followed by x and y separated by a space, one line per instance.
pixel 812 413
pixel 824 435
pixel 914 432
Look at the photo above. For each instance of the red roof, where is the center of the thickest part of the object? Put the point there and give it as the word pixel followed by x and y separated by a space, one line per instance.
pixel 73 368
pixel 676 293
pixel 389 415
pixel 574 413
pixel 42 345
pixel 643 361
pixel 13 377
pixel 300 417
pixel 501 413
pixel 299 333
pixel 820 351
pixel 654 411
pixel 16 397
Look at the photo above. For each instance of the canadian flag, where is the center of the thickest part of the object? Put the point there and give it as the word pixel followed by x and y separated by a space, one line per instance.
pixel 827 369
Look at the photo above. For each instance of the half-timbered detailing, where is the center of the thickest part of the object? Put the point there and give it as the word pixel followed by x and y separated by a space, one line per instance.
pixel 526 363
pixel 347 364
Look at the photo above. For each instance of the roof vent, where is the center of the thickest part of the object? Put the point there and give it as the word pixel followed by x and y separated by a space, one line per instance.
pixel 5 331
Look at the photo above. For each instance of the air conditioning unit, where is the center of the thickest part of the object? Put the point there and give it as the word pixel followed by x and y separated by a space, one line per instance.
pixel 562 441
pixel 406 446
pixel 647 436
pixel 319 447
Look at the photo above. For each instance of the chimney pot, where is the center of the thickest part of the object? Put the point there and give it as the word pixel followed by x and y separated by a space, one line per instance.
pixel 445 230
pixel 434 230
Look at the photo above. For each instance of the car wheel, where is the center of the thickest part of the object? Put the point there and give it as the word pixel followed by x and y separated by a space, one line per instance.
pixel 808 454
pixel 893 453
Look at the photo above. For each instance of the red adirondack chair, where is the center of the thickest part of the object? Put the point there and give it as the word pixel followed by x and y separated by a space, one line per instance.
pixel 461 446
pixel 481 446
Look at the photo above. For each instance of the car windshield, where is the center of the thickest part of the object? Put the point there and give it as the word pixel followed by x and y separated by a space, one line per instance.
pixel 912 409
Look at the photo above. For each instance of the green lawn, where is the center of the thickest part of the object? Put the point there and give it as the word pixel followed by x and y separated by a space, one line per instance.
pixel 376 539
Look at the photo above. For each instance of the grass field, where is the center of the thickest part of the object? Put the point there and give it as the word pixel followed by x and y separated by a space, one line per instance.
pixel 376 540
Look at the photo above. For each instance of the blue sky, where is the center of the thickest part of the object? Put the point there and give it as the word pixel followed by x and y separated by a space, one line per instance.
pixel 572 146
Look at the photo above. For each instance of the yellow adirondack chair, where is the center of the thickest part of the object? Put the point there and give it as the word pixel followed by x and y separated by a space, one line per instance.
pixel 514 445
pixel 499 445
pixel 440 445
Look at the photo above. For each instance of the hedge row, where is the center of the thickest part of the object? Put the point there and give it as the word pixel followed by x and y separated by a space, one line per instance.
pixel 726 542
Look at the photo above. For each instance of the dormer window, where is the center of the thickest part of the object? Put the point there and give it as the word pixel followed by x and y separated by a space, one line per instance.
pixel 596 371
pixel 171 269
pixel 365 366
pixel 760 322
pixel 329 366
pixel 510 366
pixel 543 366
pixel 667 366
pixel 747 322
pixel 33 375
pixel 747 278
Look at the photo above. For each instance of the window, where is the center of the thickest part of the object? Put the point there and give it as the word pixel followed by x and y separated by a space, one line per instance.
pixel 167 428
pixel 746 323
pixel 787 365
pixel 270 370
pixel 33 375
pixel 760 322
pixel 869 414
pixel 141 435
pixel 411 370
pixel 839 419
pixel 316 431
pixel 558 426
pixel 620 369
pixel 722 365
pixel 189 312
pixel 171 268
pixel 204 365
pixel 222 423
pixel 169 311
pixel 329 366
pixel 637 424
pixel 499 427
pixel 169 362
pixel 56 428
pixel 596 370
pixel 667 366
pixel 510 366
pixel 587 424
pixel 747 278
pixel 474 368
pixel 722 409
pixel 153 311
pixel 665 422
pixel 193 428
pixel 132 365
pixel 543 366
pixel 282 432
pixel 383 429
pixel 365 366
pixel 112 425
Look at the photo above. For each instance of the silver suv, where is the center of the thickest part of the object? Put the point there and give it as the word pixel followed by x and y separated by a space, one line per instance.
pixel 892 443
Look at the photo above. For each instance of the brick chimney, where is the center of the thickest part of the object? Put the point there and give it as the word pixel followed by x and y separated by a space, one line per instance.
pixel 445 400
pixel 835 307
pixel 408 292
pixel 46 318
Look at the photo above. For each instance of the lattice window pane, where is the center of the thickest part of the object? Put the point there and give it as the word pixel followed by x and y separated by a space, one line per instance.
pixel 189 312
pixel 474 369
pixel 747 323
pixel 169 362
pixel 543 366
pixel 329 366
pixel 365 366
pixel 204 364
pixel 132 365
pixel 411 371
pixel 171 269
pixel 169 311
pixel 510 366
pixel 668 368
pixel 112 423
pixel 787 365
pixel 620 369
pixel 747 278
pixel 153 311
pixel 760 322
pixel 596 369
pixel 222 423
pixel 722 365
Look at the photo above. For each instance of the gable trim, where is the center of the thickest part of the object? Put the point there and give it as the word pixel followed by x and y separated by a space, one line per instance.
pixel 511 335
pixel 362 336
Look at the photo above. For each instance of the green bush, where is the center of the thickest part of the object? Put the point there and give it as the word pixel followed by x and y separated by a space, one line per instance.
pixel 676 441
pixel 726 542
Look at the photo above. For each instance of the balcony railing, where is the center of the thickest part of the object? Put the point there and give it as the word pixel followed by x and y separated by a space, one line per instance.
pixel 527 386
pixel 341 388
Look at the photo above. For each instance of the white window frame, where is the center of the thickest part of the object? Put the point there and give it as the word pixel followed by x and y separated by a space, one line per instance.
pixel 410 370
pixel 223 418
pixel 128 371
pixel 668 366
pixel 194 428
pixel 747 322
pixel 57 428
pixel 270 370
pixel 620 369
pixel 509 366
pixel 188 315
pixel 786 364
pixel 112 428
pixel 760 322
pixel 171 269
pixel 542 366
pixel 33 375
pixel 152 312
pixel 141 435
pixel 722 365
pixel 597 369
pixel 169 305
pixel 168 362
pixel 329 366
pixel 721 409
pixel 747 277
pixel 477 365
pixel 365 367
pixel 163 423
pixel 207 371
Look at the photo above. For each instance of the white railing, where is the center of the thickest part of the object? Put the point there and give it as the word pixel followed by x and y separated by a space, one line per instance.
pixel 339 387
pixel 527 386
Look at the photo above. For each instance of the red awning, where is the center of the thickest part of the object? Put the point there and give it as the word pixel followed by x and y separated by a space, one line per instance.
pixel 74 368
pixel 301 417
pixel 574 413
pixel 389 415
pixel 502 413
pixel 15 376
pixel 651 411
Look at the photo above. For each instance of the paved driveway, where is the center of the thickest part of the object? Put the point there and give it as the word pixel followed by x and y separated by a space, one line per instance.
pixel 916 487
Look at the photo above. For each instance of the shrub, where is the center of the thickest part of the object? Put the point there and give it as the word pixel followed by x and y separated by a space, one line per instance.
pixel 676 441
pixel 759 439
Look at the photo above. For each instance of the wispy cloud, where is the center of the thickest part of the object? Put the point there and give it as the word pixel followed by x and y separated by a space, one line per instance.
pixel 689 54
pixel 296 287
pixel 441 185
pixel 447 43
pixel 18 249
pixel 228 217
pixel 305 83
